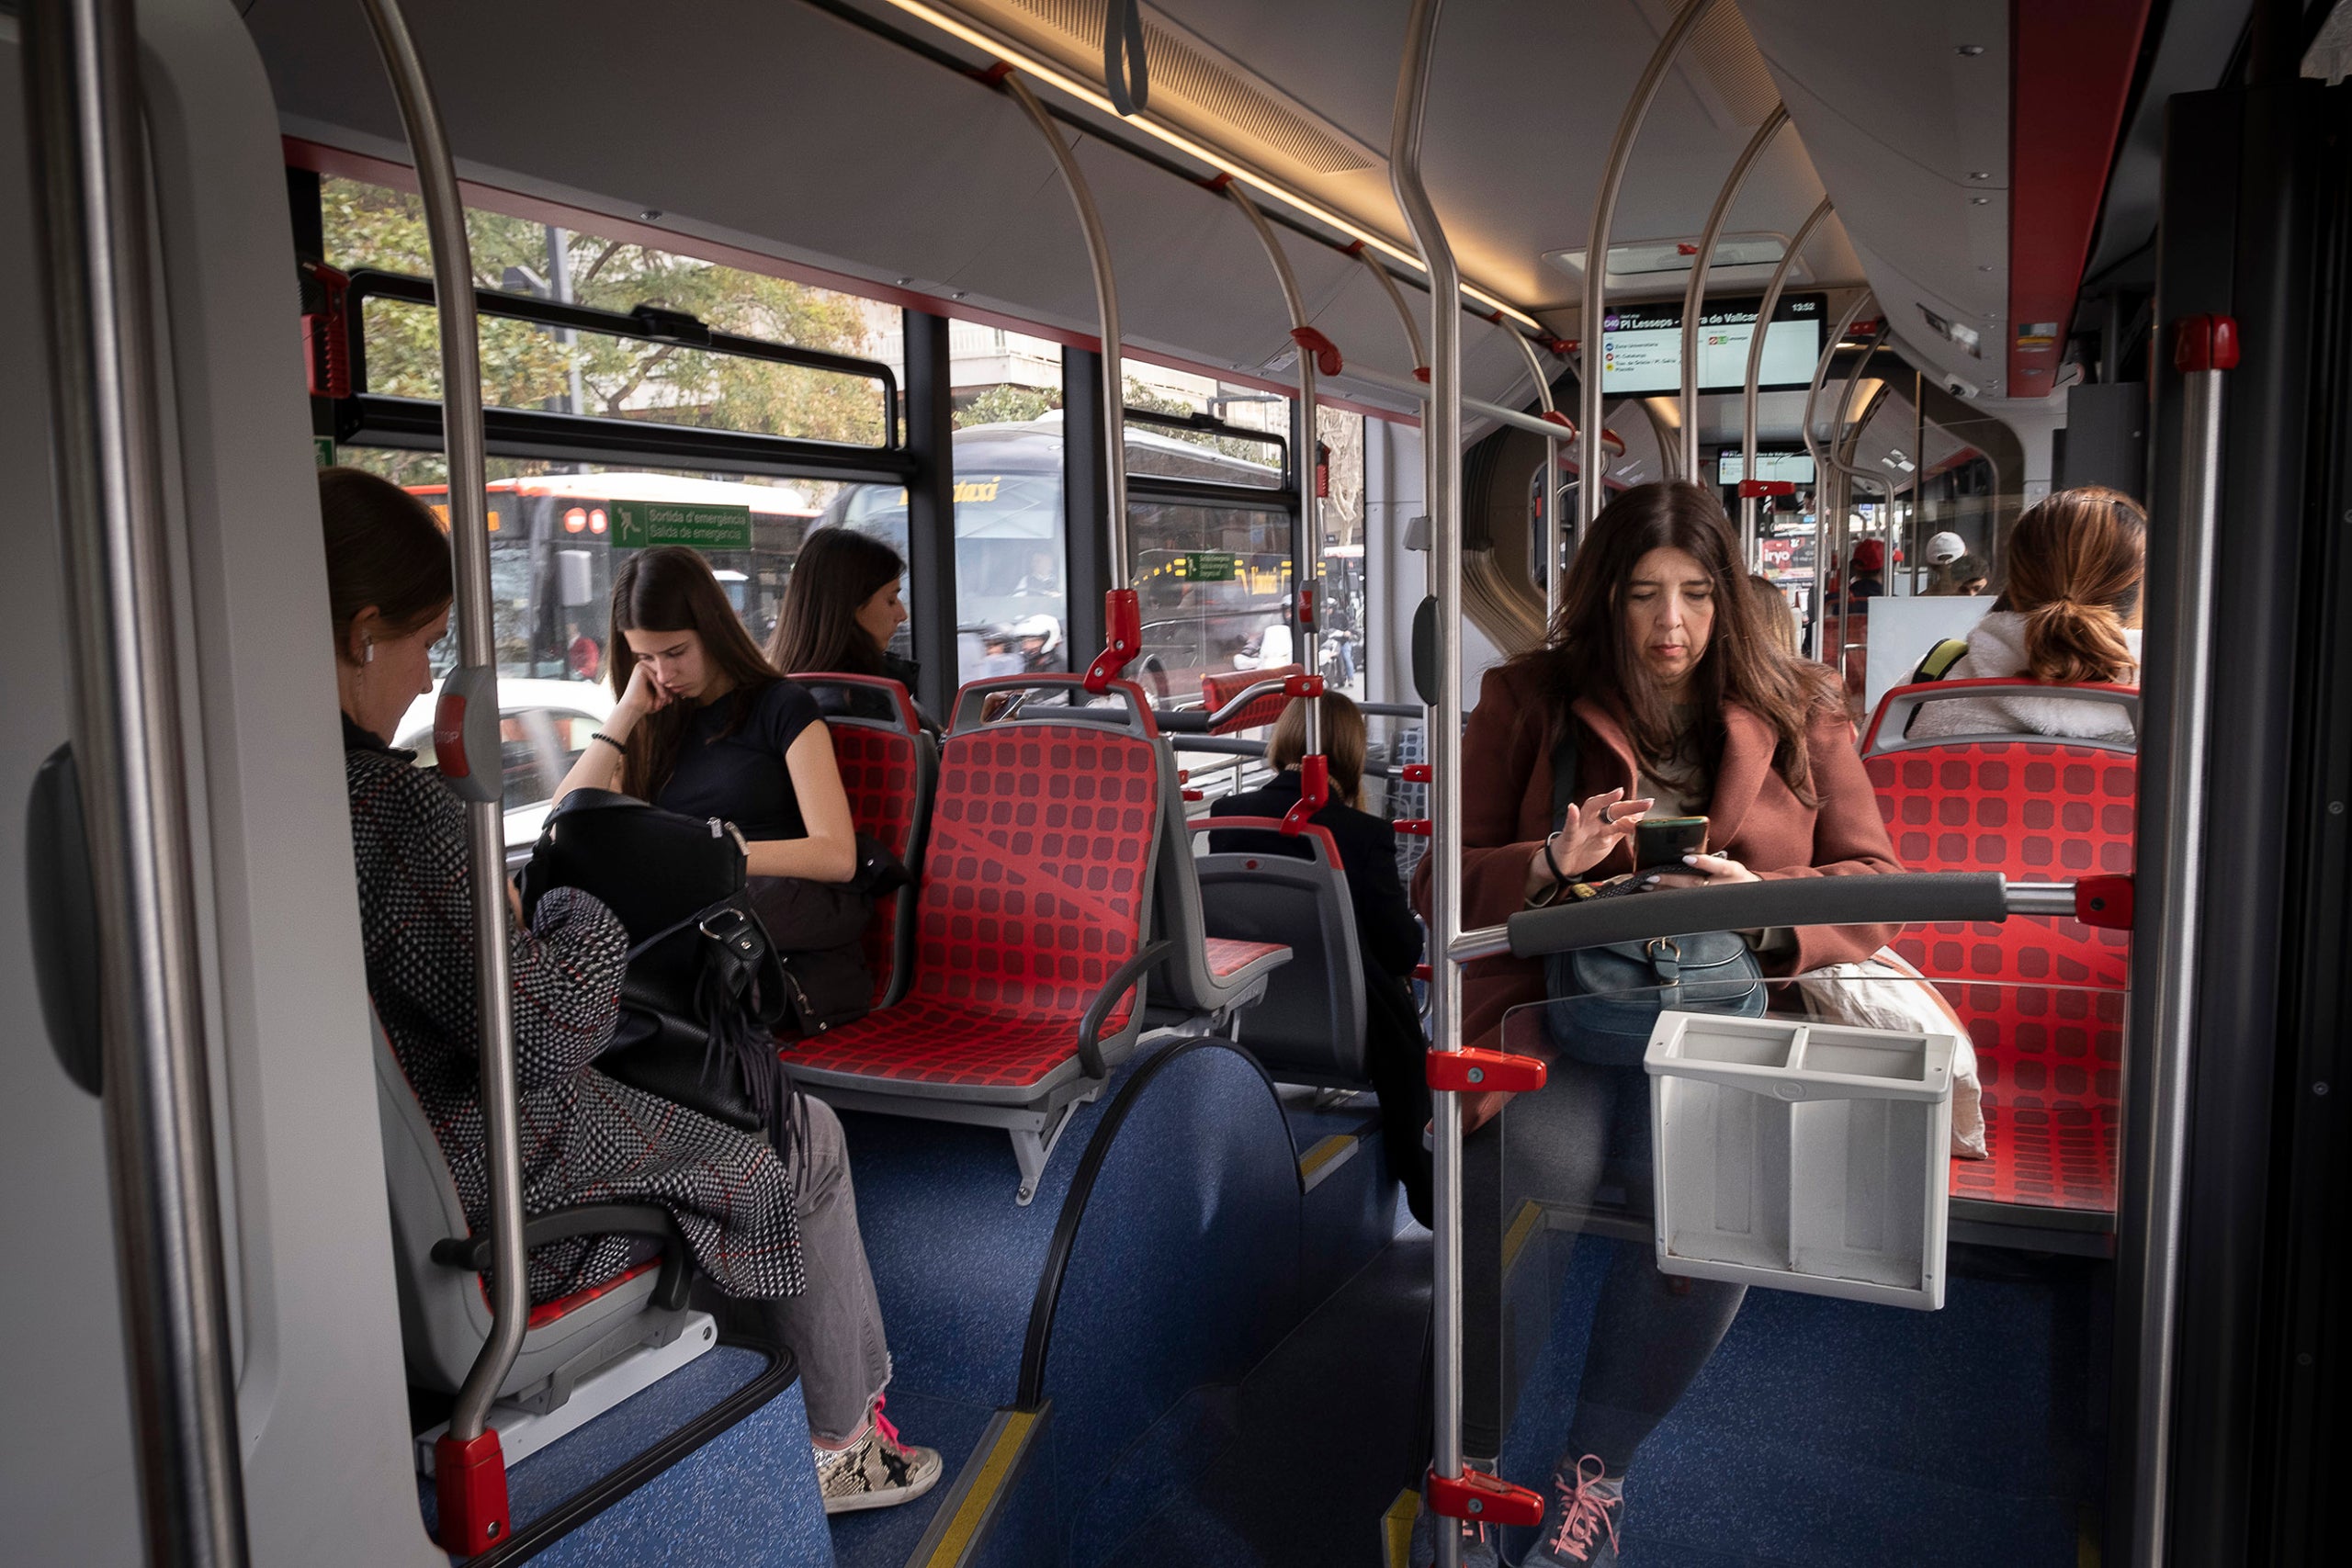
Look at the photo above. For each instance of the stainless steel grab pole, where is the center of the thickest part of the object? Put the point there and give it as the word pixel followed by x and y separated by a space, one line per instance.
pixel 2160 1164
pixel 1552 529
pixel 1694 297
pixel 1824 491
pixel 1306 541
pixel 1444 432
pixel 1591 460
pixel 1106 299
pixel 453 296
pixel 1419 387
pixel 1844 435
pixel 80 62
pixel 1764 310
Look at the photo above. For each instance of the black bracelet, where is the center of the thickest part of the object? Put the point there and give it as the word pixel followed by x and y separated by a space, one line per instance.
pixel 620 746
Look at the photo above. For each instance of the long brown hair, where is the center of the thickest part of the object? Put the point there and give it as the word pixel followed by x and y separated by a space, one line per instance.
pixel 1344 743
pixel 1589 653
pixel 837 572
pixel 2074 564
pixel 670 589
pixel 386 550
pixel 1780 616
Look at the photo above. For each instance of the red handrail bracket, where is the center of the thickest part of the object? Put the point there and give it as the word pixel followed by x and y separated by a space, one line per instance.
pixel 2104 902
pixel 1483 1499
pixel 2205 343
pixel 1313 791
pixel 470 1484
pixel 1122 638
pixel 1477 1072
pixel 1327 353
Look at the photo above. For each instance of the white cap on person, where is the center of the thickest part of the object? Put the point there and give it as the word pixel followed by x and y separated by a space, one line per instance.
pixel 1944 548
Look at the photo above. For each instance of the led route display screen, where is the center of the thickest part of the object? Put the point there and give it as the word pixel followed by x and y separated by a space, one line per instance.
pixel 1640 345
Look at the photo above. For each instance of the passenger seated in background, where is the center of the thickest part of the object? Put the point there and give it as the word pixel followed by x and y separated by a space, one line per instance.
pixel 2074 565
pixel 842 607
pixel 1964 577
pixel 774 1230
pixel 1388 937
pixel 1779 617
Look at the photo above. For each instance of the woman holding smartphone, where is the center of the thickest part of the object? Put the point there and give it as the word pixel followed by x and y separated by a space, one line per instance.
pixel 1662 682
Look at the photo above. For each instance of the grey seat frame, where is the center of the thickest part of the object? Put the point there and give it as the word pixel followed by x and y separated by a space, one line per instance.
pixel 444 1318
pixel 1308 1027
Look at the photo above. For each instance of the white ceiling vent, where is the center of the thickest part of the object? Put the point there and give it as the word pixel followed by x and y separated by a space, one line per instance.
pixel 1193 84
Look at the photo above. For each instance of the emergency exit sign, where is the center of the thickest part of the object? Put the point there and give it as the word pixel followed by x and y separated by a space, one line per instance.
pixel 640 524
pixel 1209 566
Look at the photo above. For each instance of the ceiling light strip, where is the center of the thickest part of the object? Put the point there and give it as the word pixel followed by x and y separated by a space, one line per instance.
pixel 1054 77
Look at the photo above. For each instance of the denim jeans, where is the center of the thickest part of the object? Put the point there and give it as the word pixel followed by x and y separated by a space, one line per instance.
pixel 834 1327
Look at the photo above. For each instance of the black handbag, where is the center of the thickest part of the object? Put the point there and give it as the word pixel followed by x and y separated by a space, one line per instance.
pixel 706 988
pixel 1605 1001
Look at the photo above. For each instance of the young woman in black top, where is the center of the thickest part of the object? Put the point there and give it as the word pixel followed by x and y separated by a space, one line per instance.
pixel 705 725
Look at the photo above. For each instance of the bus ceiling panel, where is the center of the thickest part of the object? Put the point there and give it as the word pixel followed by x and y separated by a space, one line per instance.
pixel 1900 72
pixel 1958 340
pixel 1511 161
pixel 775 128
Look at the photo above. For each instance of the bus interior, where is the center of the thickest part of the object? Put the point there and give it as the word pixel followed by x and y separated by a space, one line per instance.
pixel 1198 358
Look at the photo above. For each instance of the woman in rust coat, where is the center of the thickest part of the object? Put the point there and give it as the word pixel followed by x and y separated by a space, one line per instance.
pixel 1679 704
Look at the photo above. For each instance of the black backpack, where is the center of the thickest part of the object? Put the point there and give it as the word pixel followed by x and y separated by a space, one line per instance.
pixel 705 989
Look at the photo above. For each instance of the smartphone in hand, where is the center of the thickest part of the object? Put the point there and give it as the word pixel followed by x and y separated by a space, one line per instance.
pixel 1660 843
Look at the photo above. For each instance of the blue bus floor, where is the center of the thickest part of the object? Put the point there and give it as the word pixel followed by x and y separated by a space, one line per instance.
pixel 1319 1439
pixel 1822 1432
pixel 1832 1432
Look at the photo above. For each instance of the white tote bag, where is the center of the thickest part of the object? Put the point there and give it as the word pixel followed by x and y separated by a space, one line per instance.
pixel 1884 992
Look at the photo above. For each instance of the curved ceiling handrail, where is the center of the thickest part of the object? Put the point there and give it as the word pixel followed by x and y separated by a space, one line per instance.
pixel 1694 297
pixel 1122 614
pixel 1596 253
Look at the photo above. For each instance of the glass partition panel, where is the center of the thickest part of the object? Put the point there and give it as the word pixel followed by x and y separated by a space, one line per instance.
pixel 1215 585
pixel 1753 1235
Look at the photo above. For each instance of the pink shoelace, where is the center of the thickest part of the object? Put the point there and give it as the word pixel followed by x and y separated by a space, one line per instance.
pixel 882 1422
pixel 1584 1511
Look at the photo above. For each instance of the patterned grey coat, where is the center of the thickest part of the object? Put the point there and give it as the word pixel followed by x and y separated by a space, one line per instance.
pixel 586 1138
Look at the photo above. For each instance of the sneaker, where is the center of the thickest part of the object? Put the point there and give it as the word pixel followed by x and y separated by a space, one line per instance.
pixel 1579 1528
pixel 875 1471
pixel 1478 1548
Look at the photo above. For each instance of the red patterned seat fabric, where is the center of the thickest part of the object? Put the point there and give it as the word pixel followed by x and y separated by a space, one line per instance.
pixel 1229 956
pixel 1033 896
pixel 2042 996
pixel 878 767
pixel 1218 689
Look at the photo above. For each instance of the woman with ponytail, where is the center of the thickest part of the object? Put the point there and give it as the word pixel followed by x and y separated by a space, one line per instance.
pixel 2065 619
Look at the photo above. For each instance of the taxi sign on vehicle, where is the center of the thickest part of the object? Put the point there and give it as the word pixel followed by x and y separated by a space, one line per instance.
pixel 640 524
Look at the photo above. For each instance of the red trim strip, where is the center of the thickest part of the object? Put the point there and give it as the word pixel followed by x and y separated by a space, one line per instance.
pixel 2070 76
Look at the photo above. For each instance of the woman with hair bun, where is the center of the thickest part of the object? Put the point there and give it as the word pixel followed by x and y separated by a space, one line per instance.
pixel 2066 618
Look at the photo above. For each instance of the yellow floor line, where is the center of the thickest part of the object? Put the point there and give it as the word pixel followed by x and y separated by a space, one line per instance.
pixel 1523 1226
pixel 1324 1153
pixel 1396 1527
pixel 985 1486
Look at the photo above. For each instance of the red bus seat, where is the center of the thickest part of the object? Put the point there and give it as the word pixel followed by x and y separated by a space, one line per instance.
pixel 888 766
pixel 1030 950
pixel 2042 996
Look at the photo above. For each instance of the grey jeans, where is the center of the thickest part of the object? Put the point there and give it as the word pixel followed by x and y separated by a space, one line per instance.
pixel 833 1328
